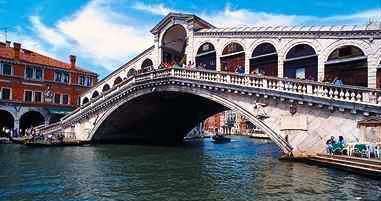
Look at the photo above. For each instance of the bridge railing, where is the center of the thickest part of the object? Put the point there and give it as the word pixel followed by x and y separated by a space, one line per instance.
pixel 295 86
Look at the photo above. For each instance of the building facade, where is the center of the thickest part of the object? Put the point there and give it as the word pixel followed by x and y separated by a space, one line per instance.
pixel 36 89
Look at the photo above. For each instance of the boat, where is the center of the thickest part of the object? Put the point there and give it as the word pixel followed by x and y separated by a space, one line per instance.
pixel 220 139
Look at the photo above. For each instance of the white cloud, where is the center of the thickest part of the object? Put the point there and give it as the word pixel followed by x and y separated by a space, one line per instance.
pixel 97 33
pixel 156 9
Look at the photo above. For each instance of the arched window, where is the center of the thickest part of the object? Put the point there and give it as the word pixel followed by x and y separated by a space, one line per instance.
pixel 31 119
pixel 131 72
pixel 85 100
pixel 264 60
pixel 117 81
pixel 349 64
pixel 206 57
pixel 95 94
pixel 301 63
pixel 105 88
pixel 147 65
pixel 173 45
pixel 6 123
pixel 233 58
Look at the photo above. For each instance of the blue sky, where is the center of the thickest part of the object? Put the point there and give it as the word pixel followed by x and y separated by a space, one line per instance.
pixel 104 34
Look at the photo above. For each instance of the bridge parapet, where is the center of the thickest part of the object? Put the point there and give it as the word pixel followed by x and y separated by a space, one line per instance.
pixel 343 97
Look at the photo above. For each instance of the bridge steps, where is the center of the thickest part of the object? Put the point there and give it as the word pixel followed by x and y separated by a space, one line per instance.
pixel 369 167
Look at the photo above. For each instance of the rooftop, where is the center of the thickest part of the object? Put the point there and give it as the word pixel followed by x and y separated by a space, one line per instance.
pixel 28 56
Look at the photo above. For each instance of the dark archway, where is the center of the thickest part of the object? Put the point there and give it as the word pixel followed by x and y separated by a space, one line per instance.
pixel 6 123
pixel 117 81
pixel 264 60
pixel 95 94
pixel 301 63
pixel 147 65
pixel 206 57
pixel 31 119
pixel 105 88
pixel 349 64
pixel 232 58
pixel 131 72
pixel 173 45
pixel 85 100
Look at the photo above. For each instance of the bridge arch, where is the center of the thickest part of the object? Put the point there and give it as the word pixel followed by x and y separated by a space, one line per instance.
pixel 348 63
pixel 95 94
pixel 147 65
pixel 117 81
pixel 264 60
pixel 173 44
pixel 131 72
pixel 232 56
pixel 105 88
pixel 206 56
pixel 213 104
pixel 301 62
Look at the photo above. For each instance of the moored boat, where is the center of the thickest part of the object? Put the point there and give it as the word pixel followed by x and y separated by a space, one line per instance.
pixel 220 139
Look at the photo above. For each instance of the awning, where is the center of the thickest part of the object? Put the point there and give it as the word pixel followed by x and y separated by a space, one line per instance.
pixel 60 110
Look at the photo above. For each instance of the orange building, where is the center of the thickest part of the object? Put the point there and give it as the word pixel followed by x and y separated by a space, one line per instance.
pixel 37 89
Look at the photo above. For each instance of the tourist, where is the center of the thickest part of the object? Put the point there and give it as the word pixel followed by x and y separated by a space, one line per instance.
pixel 337 82
pixel 330 143
pixel 311 78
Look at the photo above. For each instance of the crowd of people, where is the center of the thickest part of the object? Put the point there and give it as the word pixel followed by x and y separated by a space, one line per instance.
pixel 336 147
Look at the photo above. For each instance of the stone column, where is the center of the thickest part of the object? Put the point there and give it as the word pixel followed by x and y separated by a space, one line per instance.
pixel 321 66
pixel 372 71
pixel 218 63
pixel 247 63
pixel 280 66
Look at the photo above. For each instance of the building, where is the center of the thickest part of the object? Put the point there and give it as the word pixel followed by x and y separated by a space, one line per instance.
pixel 36 89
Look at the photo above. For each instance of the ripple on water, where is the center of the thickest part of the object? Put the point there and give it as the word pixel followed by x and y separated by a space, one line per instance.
pixel 245 169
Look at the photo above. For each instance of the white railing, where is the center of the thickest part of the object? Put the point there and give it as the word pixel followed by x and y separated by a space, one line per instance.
pixel 350 94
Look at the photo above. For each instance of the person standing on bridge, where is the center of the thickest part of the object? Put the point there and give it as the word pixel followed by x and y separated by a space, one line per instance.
pixel 337 82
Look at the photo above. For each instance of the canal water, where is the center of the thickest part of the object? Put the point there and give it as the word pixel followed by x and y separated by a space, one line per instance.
pixel 245 169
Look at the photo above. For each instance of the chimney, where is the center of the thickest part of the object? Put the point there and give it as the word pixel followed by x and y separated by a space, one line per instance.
pixel 17 49
pixel 7 44
pixel 73 59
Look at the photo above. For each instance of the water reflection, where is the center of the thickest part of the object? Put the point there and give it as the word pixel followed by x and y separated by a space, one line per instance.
pixel 244 169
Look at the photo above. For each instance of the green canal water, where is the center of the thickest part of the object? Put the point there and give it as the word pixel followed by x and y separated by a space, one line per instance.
pixel 245 169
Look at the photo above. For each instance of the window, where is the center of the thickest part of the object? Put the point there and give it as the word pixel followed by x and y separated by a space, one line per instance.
pixel 85 81
pixel 28 96
pixel 65 99
pixel 6 93
pixel 29 73
pixel 61 76
pixel 57 98
pixel 5 69
pixel 37 97
pixel 33 73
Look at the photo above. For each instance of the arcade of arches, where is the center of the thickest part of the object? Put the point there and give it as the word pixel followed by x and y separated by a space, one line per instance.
pixel 347 63
pixel 173 45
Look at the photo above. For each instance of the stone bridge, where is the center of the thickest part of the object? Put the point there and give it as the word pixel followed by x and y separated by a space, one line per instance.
pixel 162 105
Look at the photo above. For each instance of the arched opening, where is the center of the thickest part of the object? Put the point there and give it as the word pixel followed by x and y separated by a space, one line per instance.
pixel 95 94
pixel 264 60
pixel 30 119
pixel 6 123
pixel 233 58
pixel 85 101
pixel 131 72
pixel 105 88
pixel 117 81
pixel 349 64
pixel 206 57
pixel 173 45
pixel 301 63
pixel 147 65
